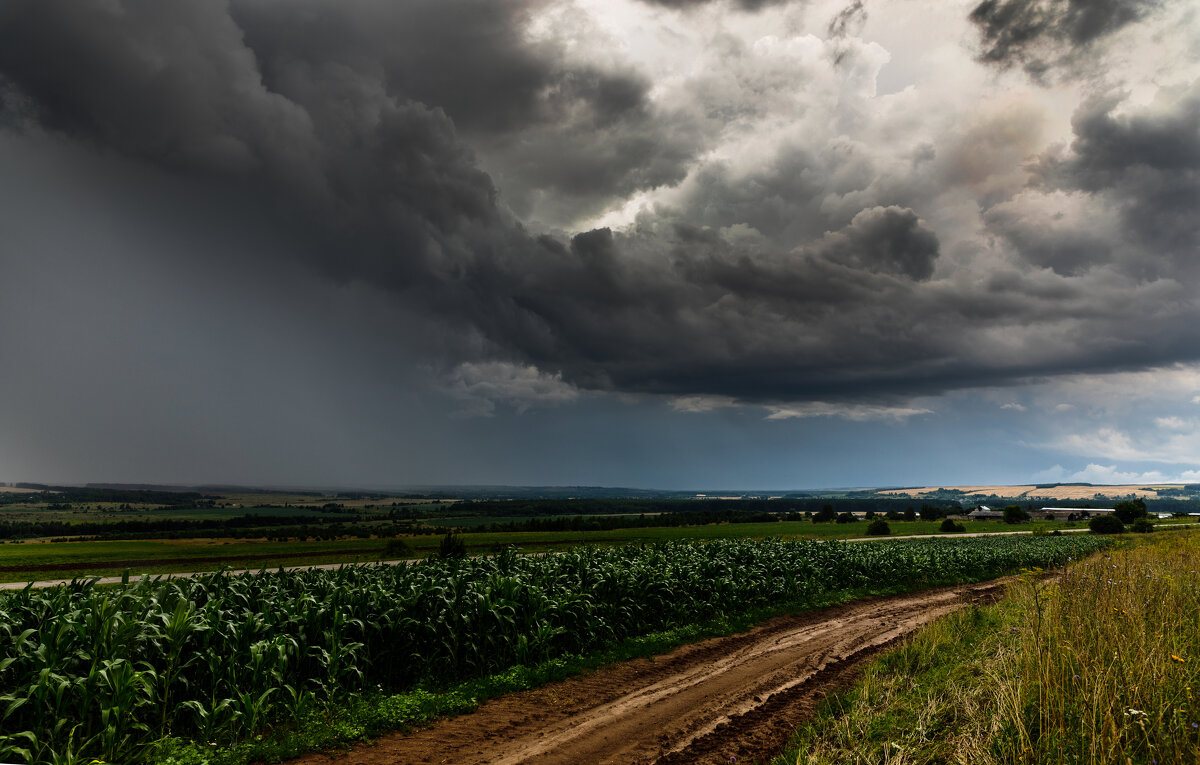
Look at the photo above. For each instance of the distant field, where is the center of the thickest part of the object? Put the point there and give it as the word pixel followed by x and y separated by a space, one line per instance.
pixel 1031 491
pixel 60 560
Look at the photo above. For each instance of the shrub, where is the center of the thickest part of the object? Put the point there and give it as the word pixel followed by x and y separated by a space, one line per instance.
pixel 1106 524
pixel 452 546
pixel 879 528
pixel 397 548
pixel 951 525
pixel 1142 525
pixel 846 518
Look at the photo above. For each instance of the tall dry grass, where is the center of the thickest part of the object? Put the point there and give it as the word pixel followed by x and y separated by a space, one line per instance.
pixel 1106 661
pixel 1098 665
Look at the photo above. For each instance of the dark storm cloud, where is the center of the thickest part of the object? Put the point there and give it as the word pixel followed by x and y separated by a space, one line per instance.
pixel 1148 163
pixel 1141 168
pixel 359 122
pixel 1036 33
pixel 515 101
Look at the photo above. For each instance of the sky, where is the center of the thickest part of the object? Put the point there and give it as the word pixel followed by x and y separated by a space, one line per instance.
pixel 738 244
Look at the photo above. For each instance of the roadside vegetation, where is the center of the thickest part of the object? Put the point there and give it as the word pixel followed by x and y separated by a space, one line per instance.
pixel 196 670
pixel 64 532
pixel 1099 664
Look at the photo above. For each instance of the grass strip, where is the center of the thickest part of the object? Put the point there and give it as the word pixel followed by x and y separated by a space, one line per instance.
pixel 1101 665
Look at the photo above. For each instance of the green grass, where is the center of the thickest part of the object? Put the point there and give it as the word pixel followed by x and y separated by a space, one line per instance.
pixel 1099 666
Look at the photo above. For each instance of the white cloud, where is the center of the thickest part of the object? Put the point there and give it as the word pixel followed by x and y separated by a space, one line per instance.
pixel 1013 405
pixel 1111 474
pixel 702 403
pixel 1119 391
pixel 1173 423
pixel 1179 448
pixel 858 412
pixel 480 386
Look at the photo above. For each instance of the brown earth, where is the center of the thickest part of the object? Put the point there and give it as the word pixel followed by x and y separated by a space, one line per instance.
pixel 730 699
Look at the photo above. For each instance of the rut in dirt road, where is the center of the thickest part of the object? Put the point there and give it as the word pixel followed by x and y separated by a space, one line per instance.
pixel 734 697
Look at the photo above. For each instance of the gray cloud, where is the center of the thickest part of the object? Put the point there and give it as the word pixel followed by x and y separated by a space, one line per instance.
pixel 1139 174
pixel 819 274
pixel 1038 33
pixel 749 5
pixel 1148 163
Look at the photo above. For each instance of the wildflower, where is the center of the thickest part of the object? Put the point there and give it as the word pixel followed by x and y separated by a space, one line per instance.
pixel 1178 659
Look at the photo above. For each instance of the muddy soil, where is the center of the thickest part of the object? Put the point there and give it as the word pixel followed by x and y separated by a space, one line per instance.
pixel 731 699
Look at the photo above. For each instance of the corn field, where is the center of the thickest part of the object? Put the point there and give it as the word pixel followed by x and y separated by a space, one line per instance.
pixel 102 672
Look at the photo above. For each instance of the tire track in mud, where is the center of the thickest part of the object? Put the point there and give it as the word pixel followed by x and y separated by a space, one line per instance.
pixel 739 697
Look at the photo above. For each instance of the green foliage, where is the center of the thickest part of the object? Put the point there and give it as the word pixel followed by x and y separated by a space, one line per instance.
pixel 452 546
pixel 1015 514
pixel 1106 524
pixel 950 525
pixel 846 518
pixel 931 512
pixel 879 528
pixel 825 515
pixel 1130 510
pixel 1142 525
pixel 88 672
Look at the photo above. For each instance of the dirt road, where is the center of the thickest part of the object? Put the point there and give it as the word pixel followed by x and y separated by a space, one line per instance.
pixel 733 699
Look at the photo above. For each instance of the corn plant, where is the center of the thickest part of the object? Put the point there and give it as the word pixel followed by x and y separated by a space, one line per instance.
pixel 103 672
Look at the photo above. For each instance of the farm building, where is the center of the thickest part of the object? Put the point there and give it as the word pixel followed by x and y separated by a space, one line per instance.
pixel 1072 513
pixel 984 513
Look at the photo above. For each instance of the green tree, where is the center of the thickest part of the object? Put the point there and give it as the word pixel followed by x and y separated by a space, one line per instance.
pixel 846 518
pixel 1130 510
pixel 1015 514
pixel 825 515
pixel 879 528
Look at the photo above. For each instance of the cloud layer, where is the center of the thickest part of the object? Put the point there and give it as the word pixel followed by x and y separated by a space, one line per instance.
pixel 778 231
